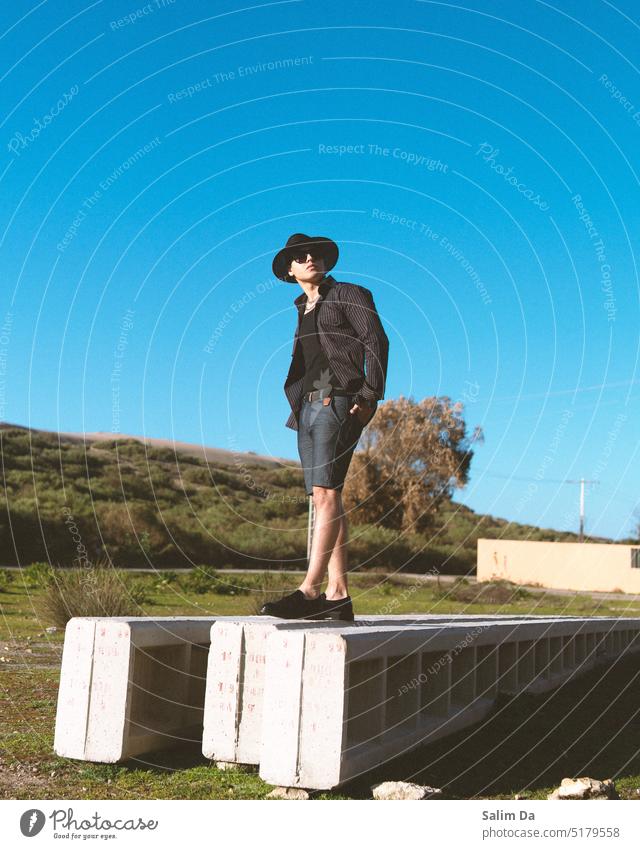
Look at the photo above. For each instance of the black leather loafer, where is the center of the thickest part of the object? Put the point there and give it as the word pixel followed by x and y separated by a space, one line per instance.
pixel 294 606
pixel 340 610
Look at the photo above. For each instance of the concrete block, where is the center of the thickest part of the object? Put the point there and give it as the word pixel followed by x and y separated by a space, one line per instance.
pixel 364 695
pixel 232 723
pixel 236 675
pixel 131 685
pixel 75 688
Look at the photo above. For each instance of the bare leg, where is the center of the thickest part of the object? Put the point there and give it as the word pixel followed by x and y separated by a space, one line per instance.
pixel 337 584
pixel 328 534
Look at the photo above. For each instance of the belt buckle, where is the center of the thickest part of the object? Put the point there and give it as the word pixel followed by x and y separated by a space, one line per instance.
pixel 322 394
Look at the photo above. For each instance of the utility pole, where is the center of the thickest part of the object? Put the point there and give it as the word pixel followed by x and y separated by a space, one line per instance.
pixel 582 482
pixel 310 526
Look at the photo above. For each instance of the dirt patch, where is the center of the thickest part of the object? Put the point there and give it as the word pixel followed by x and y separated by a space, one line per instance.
pixel 35 652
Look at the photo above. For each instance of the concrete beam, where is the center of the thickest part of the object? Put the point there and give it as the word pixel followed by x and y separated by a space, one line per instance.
pixel 338 703
pixel 131 685
pixel 236 676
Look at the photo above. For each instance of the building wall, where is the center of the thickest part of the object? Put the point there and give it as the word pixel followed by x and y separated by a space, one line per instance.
pixel 559 565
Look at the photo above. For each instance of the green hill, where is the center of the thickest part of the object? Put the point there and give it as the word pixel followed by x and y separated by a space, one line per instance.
pixel 169 508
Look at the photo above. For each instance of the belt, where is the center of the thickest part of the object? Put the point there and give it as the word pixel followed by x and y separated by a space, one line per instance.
pixel 318 394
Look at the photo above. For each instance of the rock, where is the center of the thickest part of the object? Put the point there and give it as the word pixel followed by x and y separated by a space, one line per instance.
pixel 52 630
pixel 585 788
pixel 404 790
pixel 288 793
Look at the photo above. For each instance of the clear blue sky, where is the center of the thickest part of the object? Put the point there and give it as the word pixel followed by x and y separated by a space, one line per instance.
pixel 155 156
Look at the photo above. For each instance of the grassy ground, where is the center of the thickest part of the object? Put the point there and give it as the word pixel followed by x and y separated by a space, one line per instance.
pixel 589 727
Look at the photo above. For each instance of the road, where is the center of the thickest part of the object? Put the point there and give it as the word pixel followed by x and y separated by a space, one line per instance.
pixel 411 577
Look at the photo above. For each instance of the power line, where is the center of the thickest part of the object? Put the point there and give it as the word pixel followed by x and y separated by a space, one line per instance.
pixel 513 478
pixel 581 481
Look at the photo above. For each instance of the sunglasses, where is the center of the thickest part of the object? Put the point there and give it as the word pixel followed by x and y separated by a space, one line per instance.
pixel 301 256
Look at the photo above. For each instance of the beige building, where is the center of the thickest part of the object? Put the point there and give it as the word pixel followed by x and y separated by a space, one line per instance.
pixel 600 567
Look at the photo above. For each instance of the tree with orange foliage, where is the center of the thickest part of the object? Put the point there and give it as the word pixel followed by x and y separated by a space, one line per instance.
pixel 413 455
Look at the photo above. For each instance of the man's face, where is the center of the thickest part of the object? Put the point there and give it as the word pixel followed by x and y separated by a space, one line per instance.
pixel 307 265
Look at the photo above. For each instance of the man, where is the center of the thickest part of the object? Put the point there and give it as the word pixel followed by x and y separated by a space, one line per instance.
pixel 332 400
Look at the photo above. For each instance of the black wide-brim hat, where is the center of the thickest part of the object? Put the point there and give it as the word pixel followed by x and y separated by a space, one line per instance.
pixel 282 260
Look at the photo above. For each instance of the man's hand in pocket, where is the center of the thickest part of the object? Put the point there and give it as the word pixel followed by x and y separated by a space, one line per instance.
pixel 364 412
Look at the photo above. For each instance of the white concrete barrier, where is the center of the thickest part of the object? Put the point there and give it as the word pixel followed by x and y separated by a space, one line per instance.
pixel 131 685
pixel 236 675
pixel 338 703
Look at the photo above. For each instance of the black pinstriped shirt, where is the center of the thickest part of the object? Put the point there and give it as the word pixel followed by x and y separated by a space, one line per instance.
pixel 350 333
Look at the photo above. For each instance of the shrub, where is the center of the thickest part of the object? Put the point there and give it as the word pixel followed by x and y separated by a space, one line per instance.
pixel 231 585
pixel 138 590
pixel 6 577
pixel 37 574
pixel 387 588
pixel 97 590
pixel 197 581
pixel 202 580
pixel 165 578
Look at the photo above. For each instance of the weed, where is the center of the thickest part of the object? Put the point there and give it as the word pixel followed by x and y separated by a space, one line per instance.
pixel 97 590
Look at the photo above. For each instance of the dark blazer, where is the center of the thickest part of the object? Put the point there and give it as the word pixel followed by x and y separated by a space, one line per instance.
pixel 349 331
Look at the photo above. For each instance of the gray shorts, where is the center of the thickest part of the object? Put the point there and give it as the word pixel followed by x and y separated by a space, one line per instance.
pixel 327 437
